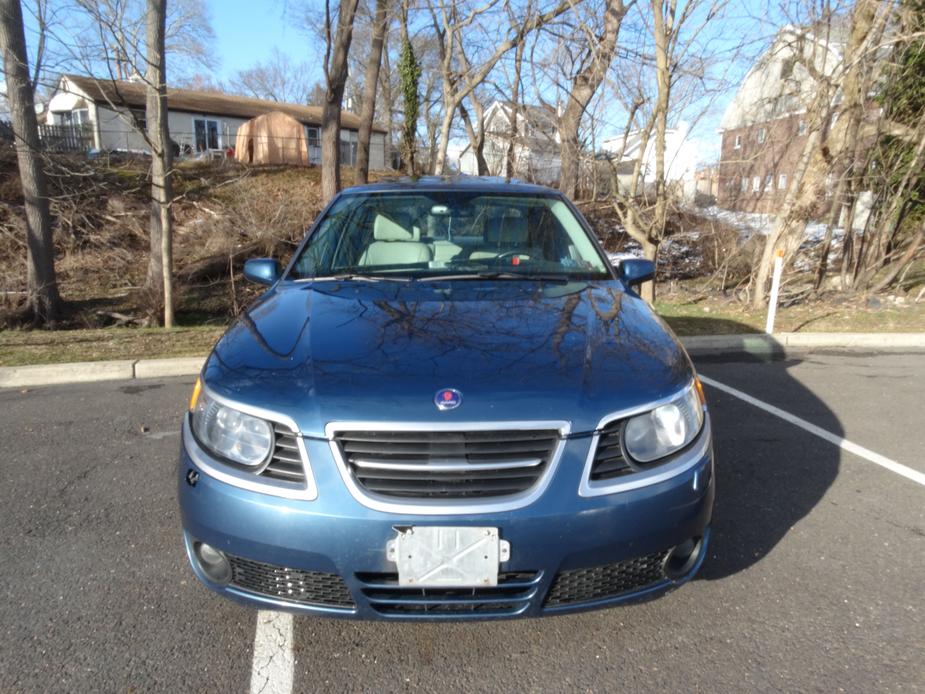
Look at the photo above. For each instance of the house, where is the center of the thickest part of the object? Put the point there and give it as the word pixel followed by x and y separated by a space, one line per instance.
pixel 112 112
pixel 681 157
pixel 764 128
pixel 536 143
pixel 706 181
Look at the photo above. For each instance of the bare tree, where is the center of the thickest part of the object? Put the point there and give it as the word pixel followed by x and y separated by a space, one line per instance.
pixel 160 261
pixel 510 155
pixel 651 97
pixel 370 84
pixel 277 79
pixel 450 21
pixel 107 37
pixel 811 174
pixel 386 99
pixel 593 66
pixel 337 49
pixel 42 299
pixel 409 73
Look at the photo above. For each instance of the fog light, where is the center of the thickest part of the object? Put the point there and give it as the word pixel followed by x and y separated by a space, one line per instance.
pixel 213 563
pixel 683 558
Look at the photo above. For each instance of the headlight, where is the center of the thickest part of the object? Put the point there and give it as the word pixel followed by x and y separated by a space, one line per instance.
pixel 230 433
pixel 665 429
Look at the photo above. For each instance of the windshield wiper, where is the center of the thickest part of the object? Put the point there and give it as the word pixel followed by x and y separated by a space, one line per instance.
pixel 340 276
pixel 493 275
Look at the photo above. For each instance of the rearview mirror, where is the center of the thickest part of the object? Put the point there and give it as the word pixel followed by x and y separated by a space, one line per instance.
pixel 261 270
pixel 633 271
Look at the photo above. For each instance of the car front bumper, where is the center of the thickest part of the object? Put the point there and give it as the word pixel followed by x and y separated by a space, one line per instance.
pixel 568 552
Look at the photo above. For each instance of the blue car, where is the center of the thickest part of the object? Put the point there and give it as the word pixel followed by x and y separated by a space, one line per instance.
pixel 449 405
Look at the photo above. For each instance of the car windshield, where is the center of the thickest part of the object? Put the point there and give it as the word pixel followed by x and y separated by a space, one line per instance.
pixel 450 234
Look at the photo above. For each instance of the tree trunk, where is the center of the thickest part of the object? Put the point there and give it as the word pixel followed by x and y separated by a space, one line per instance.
pixel 785 221
pixel 160 262
pixel 897 266
pixel 42 299
pixel 388 104
pixel 510 163
pixel 663 29
pixel 476 138
pixel 409 72
pixel 335 65
pixel 650 252
pixel 440 164
pixel 584 86
pixel 380 24
pixel 838 207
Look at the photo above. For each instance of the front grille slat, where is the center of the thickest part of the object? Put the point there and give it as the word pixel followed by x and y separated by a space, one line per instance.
pixel 609 461
pixel 447 465
pixel 511 596
pixel 445 449
pixel 294 585
pixel 286 463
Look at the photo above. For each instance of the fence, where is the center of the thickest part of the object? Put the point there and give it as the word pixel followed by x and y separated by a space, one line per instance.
pixel 66 138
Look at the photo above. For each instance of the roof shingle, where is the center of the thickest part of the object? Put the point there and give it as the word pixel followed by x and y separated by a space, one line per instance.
pixel 132 95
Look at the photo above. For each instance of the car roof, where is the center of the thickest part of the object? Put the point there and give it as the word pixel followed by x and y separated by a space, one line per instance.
pixel 475 184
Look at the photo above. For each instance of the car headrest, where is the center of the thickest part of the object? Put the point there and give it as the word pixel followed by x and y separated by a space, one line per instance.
pixel 385 229
pixel 506 230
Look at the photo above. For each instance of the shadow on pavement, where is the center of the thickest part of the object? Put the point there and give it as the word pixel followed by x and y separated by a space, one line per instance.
pixel 770 474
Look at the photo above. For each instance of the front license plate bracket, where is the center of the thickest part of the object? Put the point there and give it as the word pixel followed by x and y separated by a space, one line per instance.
pixel 447 557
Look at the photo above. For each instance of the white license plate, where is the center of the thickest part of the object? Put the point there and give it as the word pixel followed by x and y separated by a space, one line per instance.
pixel 447 557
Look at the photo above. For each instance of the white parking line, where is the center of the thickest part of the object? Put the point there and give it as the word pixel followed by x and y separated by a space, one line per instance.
pixel 273 663
pixel 842 443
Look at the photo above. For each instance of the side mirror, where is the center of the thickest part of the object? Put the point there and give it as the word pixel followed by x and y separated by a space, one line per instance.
pixel 261 270
pixel 636 271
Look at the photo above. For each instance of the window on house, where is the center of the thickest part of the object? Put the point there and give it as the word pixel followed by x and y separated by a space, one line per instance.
pixel 762 135
pixel 782 182
pixel 78 116
pixel 801 127
pixel 743 185
pixel 738 142
pixel 139 118
pixel 768 182
pixel 786 68
pixel 756 184
pixel 348 147
pixel 205 131
pixel 313 136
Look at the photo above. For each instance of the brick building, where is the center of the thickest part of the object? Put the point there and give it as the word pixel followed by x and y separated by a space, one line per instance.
pixel 764 128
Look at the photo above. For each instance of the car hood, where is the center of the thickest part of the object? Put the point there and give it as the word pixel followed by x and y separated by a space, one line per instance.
pixel 359 351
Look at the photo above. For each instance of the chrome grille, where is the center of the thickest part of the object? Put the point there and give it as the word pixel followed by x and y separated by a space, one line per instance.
pixel 286 463
pixel 609 461
pixel 447 464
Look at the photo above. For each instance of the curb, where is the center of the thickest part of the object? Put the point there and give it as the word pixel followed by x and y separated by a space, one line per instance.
pixel 92 371
pixel 760 343
pixel 747 343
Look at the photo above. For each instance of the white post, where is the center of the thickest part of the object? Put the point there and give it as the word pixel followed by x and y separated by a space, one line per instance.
pixel 775 291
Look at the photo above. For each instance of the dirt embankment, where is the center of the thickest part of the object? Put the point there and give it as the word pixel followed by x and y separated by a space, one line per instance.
pixel 223 212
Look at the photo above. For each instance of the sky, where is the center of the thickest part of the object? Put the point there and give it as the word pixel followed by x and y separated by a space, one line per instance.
pixel 246 32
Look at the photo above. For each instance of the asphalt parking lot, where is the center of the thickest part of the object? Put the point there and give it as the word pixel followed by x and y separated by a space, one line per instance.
pixel 814 580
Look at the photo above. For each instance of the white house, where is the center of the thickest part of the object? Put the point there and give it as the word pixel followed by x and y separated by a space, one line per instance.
pixel 681 156
pixel 113 111
pixel 536 143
